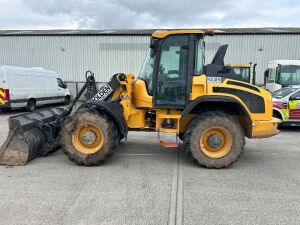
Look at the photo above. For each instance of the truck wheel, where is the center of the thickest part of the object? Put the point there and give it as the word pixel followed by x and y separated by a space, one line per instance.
pixel 214 140
pixel 30 107
pixel 89 138
pixel 67 100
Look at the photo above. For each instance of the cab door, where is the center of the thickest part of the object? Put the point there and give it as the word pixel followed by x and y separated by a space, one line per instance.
pixel 294 106
pixel 171 72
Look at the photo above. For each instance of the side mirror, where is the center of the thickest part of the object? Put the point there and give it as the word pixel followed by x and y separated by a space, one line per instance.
pixel 65 85
pixel 266 75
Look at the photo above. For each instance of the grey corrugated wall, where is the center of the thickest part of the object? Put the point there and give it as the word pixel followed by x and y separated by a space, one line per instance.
pixel 71 56
pixel 255 48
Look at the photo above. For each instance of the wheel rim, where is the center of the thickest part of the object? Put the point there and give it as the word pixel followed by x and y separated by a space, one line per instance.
pixel 215 142
pixel 88 139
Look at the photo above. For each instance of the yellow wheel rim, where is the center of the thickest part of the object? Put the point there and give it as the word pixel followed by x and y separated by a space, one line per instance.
pixel 215 142
pixel 88 139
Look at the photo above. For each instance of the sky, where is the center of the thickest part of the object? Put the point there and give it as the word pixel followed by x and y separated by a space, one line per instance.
pixel 143 14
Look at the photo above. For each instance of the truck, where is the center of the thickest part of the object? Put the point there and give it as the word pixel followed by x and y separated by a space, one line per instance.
pixel 244 70
pixel 282 73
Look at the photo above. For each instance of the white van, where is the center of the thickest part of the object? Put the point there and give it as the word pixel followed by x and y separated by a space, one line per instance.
pixel 31 87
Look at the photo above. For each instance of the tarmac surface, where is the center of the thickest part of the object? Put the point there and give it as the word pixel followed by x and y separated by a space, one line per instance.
pixel 144 183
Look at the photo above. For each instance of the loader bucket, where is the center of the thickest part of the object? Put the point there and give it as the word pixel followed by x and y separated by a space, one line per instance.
pixel 30 135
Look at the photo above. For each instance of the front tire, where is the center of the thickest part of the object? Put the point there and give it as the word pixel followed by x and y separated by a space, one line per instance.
pixel 214 140
pixel 31 105
pixel 89 138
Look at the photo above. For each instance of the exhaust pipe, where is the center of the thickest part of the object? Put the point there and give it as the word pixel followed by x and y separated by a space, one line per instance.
pixel 254 74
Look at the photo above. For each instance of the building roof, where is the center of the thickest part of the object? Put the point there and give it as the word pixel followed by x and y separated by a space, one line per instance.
pixel 222 31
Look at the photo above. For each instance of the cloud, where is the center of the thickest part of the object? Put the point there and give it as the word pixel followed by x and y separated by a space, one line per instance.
pixel 17 15
pixel 117 14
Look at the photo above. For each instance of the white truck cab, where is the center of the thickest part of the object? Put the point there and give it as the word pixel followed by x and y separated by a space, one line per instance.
pixel 282 73
pixel 31 87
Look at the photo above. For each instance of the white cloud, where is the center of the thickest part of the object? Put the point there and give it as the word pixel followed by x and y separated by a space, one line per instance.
pixel 114 14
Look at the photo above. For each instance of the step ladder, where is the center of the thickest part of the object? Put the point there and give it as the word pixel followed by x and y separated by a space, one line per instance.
pixel 165 143
pixel 168 144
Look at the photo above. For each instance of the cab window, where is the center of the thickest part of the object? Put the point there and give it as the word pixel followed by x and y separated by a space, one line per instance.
pixel 146 73
pixel 272 75
pixel 172 72
pixel 244 72
pixel 199 59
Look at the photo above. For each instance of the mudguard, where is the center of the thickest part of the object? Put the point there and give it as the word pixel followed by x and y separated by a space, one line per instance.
pixel 193 104
pixel 114 109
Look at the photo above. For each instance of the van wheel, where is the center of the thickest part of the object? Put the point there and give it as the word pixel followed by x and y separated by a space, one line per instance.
pixel 30 107
pixel 67 100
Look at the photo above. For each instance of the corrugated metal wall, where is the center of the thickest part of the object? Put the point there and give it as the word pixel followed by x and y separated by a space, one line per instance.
pixel 71 56
pixel 255 48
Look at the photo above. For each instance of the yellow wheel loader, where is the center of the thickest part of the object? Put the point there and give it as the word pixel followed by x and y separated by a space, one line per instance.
pixel 207 106
pixel 244 70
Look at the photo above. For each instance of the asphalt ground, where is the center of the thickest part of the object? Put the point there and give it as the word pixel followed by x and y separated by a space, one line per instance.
pixel 144 183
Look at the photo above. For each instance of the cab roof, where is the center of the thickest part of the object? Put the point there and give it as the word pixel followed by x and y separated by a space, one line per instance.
pixel 245 65
pixel 165 33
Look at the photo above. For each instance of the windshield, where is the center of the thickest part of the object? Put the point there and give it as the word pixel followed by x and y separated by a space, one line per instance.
pixel 244 72
pixel 289 75
pixel 146 72
pixel 283 92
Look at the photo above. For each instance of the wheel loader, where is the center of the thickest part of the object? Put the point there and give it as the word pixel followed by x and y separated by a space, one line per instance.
pixel 208 107
pixel 244 70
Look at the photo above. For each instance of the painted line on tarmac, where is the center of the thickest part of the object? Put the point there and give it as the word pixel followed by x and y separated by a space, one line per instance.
pixel 179 214
pixel 137 154
pixel 176 198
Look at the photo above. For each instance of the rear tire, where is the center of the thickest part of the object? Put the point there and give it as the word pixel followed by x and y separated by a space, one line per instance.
pixel 214 140
pixel 89 155
pixel 31 105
